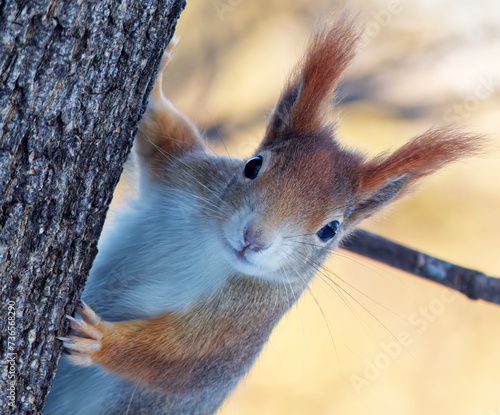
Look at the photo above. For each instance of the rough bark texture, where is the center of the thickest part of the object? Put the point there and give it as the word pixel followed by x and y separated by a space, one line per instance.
pixel 473 284
pixel 74 80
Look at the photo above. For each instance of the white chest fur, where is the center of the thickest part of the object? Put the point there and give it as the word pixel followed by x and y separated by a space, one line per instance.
pixel 160 255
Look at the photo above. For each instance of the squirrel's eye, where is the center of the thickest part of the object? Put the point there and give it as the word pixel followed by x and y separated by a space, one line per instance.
pixel 328 231
pixel 252 167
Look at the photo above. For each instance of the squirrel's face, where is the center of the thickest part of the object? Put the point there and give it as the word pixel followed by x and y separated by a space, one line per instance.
pixel 287 206
pixel 286 209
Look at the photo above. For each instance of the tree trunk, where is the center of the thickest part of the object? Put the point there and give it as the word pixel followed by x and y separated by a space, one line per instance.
pixel 74 80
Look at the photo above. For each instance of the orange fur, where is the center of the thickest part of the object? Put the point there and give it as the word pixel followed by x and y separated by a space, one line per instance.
pixel 164 130
pixel 420 157
pixel 312 178
pixel 329 54
pixel 176 351
pixel 307 98
pixel 309 180
pixel 150 351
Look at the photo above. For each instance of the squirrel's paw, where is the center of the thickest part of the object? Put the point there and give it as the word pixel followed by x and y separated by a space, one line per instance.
pixel 85 339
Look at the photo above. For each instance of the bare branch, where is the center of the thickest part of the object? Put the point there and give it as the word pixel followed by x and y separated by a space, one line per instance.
pixel 474 284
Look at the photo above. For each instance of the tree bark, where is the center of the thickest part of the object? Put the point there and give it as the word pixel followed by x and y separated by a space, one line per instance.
pixel 74 80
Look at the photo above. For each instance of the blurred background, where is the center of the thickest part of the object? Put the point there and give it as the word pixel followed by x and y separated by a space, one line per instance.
pixel 368 339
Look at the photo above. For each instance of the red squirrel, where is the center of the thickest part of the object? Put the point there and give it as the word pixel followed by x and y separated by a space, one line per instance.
pixel 197 271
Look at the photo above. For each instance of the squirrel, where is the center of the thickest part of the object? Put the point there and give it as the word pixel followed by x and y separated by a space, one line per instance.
pixel 196 272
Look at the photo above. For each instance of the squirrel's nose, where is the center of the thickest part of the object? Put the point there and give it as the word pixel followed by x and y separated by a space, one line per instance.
pixel 253 241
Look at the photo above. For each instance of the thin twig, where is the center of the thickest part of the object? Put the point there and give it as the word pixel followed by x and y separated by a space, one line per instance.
pixel 474 284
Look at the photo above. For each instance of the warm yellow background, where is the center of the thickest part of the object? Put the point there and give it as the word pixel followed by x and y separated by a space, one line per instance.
pixel 424 57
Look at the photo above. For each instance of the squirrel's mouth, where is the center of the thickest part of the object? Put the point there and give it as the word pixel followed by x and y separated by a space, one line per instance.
pixel 236 255
pixel 240 255
pixel 248 262
pixel 238 258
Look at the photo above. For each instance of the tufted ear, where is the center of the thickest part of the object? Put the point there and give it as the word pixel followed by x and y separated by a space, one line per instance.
pixel 307 98
pixel 388 177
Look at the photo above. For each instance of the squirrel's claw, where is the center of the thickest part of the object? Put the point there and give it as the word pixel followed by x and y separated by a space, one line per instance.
pixel 86 313
pixel 86 337
pixel 82 327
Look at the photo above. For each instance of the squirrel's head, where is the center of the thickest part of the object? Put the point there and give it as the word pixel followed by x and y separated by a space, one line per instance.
pixel 301 192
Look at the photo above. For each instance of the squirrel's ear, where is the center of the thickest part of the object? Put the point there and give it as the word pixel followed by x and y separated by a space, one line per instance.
pixel 307 98
pixel 388 177
pixel 371 201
